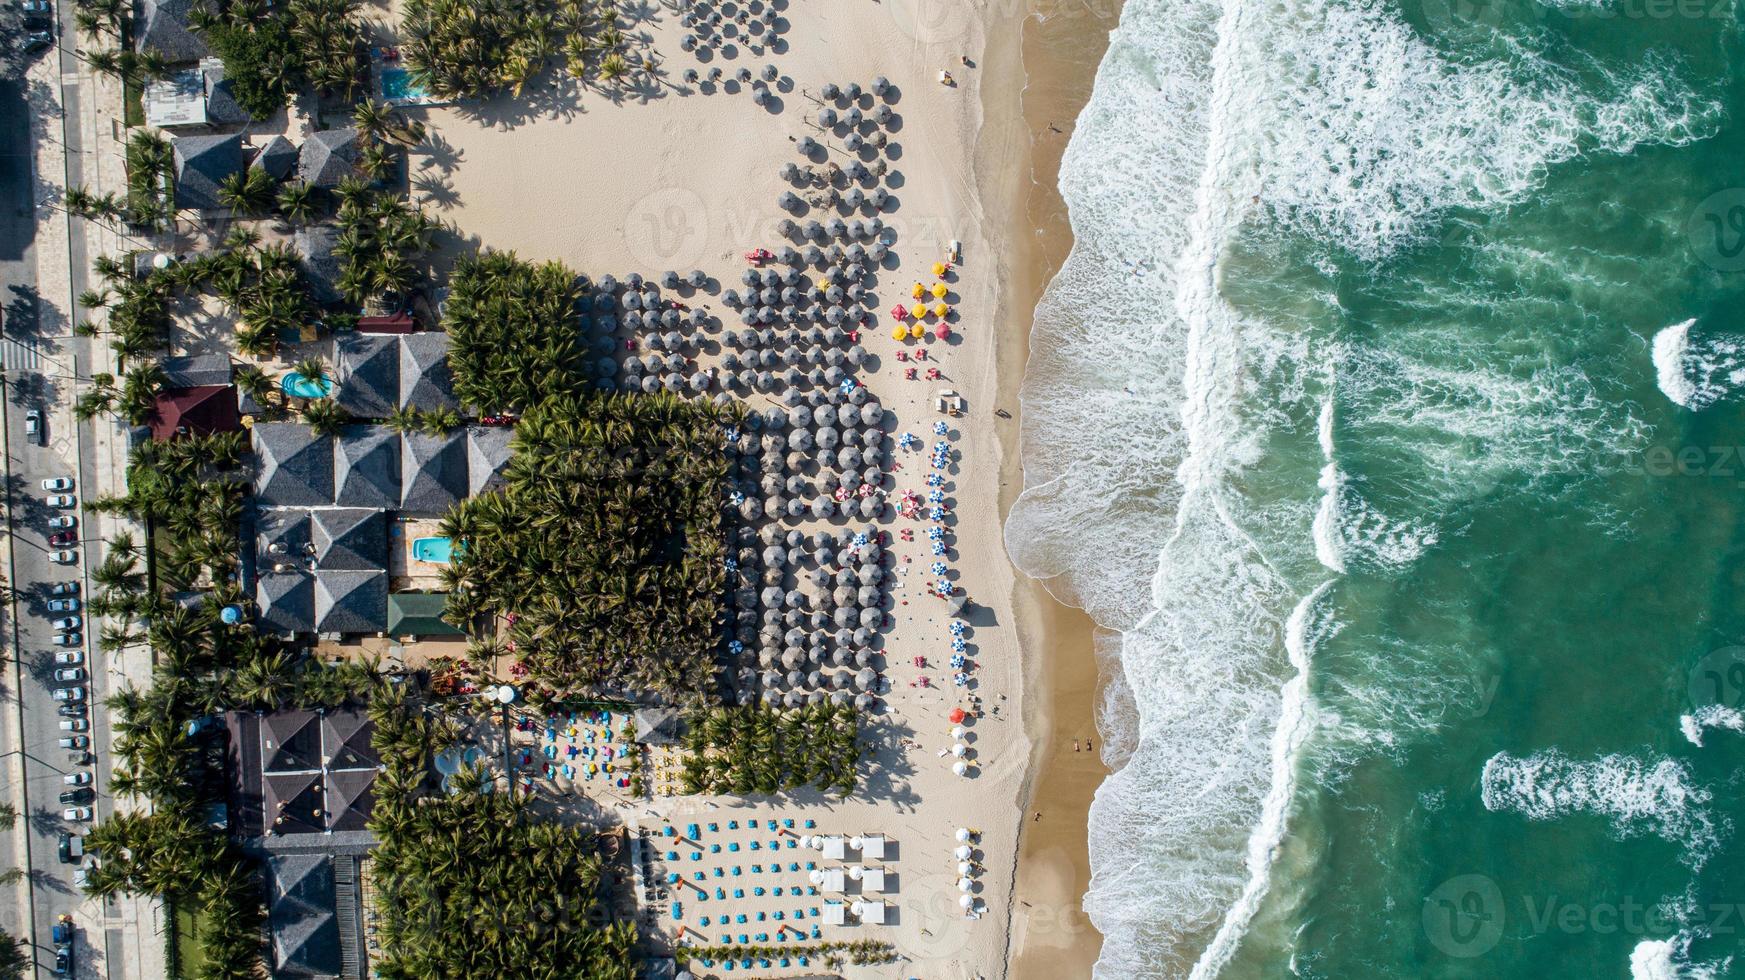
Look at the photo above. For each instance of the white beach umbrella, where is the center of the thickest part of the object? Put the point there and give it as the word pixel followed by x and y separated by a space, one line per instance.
pixel 957 731
pixel 966 900
pixel 857 842
pixel 856 872
pixel 957 749
pixel 965 884
pixel 963 852
pixel 960 768
pixel 964 868
pixel 962 834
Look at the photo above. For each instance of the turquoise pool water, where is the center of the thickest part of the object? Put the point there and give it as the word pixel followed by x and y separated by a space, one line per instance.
pixel 437 551
pixel 298 386
pixel 398 86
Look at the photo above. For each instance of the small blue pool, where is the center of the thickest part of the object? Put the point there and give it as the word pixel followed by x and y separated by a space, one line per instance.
pixel 437 551
pixel 297 386
pixel 398 86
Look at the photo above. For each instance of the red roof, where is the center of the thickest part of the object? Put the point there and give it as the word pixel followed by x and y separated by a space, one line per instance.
pixel 398 323
pixel 200 411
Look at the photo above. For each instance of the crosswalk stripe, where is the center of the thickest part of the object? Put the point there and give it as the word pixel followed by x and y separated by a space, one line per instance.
pixel 15 356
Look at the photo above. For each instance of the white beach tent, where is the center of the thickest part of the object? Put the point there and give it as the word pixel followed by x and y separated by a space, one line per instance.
pixel 833 848
pixel 834 913
pixel 872 913
pixel 872 880
pixel 833 880
pixel 873 846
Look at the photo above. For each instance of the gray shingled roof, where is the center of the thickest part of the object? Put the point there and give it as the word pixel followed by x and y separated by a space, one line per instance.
pixel 165 30
pixel 287 602
pixel 367 467
pixel 196 371
pixel 276 156
pixel 222 109
pixel 367 372
pixel 433 471
pixel 351 601
pixel 292 466
pixel 282 536
pixel 425 380
pixel 320 266
pixel 328 156
pixel 202 163
pixel 350 539
pixel 302 916
pixel 487 457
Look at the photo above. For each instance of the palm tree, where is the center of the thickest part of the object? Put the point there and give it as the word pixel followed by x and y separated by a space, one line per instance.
pixel 324 417
pixel 297 203
pixel 404 419
pixel 253 382
pixel 373 119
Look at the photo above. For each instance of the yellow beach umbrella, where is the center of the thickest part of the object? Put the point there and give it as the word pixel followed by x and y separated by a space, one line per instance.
pixel 917 291
pixel 918 311
pixel 899 331
pixel 939 290
pixel 939 268
pixel 917 331
pixel 940 309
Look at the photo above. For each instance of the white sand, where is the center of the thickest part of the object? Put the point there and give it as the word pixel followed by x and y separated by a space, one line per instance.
pixel 686 180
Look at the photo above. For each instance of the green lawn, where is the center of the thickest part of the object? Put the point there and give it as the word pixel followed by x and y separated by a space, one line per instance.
pixel 190 956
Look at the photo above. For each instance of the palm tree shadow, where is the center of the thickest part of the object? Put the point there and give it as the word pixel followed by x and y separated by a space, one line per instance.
pixel 436 189
pixel 439 153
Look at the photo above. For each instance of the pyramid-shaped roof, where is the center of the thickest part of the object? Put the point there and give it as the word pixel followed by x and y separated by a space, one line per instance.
pixel 282 539
pixel 367 371
pixel 276 156
pixel 222 109
pixel 367 467
pixel 348 601
pixel 291 802
pixel 349 798
pixel 328 156
pixel 487 457
pixel 166 31
pixel 350 539
pixel 196 370
pixel 202 164
pixel 287 602
pixel 195 411
pixel 425 380
pixel 319 265
pixel 294 467
pixel 346 736
pixel 419 614
pixel 433 471
pixel 291 741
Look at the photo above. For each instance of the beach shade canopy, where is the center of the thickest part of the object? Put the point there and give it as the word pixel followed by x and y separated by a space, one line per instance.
pixel 956 717
pixel 749 278
pixel 883 114
pixel 853 116
pixel 814 230
pixel 789 200
pixel 770 73
pixel 939 290
pixel 942 331
pixel 871 618
pixel 869 507
pixel 831 91
pixel 670 279
pixel 827 117
pixel 853 142
pixel 814 255
pixel 941 311
pixel 960 768
pixel 899 332
pixel 697 278
pixel 807 145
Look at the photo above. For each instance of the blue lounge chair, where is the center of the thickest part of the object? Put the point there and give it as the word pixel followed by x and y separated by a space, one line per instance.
pixel 714 848
pixel 733 847
pixel 778 891
pixel 810 824
pixel 758 891
pixel 719 893
pixel 732 825
pixel 714 828
pixel 788 823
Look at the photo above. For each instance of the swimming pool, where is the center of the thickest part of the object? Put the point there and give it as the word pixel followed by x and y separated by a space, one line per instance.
pixel 398 86
pixel 297 386
pixel 437 551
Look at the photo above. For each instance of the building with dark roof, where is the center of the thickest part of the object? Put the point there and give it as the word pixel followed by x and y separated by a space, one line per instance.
pixel 350 539
pixel 277 156
pixel 320 267
pixel 328 156
pixel 196 370
pixel 488 452
pixel 351 601
pixel 367 467
pixel 433 471
pixel 426 382
pixel 194 411
pixel 378 374
pixel 419 614
pixel 164 28
pixel 301 772
pixel 294 467
pixel 222 109
pixel 301 914
pixel 202 163
pixel 286 601
pixel 367 375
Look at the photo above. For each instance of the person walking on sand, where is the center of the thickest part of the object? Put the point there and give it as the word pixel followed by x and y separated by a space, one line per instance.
pixel 1075 745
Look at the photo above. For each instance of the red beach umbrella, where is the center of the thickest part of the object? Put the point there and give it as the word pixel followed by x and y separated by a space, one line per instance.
pixel 956 716
pixel 942 331
pixel 899 312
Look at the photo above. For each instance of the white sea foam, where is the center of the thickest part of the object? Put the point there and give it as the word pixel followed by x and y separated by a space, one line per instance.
pixel 1635 797
pixel 1710 716
pixel 1696 374
pixel 1142 408
pixel 1669 959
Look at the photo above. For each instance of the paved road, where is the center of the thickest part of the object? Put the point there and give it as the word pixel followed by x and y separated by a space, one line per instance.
pixel 39 356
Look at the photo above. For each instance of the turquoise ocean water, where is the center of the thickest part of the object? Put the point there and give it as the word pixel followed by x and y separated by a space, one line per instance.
pixel 1390 415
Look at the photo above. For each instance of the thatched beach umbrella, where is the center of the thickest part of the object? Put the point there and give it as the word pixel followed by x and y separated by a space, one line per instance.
pixel 871 618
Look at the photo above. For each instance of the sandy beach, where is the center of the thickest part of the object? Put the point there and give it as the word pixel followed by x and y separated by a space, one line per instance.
pixel 670 174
